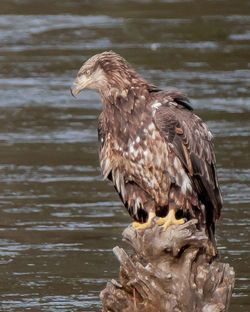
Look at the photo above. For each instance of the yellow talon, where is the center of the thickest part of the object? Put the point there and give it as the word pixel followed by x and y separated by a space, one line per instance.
pixel 169 220
pixel 143 226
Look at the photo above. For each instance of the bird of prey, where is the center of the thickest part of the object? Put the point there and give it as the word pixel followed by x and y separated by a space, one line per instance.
pixel 157 153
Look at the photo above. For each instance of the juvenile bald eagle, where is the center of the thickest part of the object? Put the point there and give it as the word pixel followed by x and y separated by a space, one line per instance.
pixel 157 153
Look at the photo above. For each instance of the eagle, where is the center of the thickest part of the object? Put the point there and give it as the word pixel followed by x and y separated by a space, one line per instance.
pixel 156 152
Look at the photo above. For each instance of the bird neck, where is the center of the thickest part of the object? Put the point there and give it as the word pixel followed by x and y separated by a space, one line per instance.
pixel 124 100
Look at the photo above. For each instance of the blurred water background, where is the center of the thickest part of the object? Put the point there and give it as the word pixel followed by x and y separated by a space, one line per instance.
pixel 58 220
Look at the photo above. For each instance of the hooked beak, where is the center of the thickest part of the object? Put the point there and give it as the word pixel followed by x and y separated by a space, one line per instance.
pixel 79 84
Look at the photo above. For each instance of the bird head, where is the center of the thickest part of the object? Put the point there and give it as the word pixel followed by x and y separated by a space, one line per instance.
pixel 100 72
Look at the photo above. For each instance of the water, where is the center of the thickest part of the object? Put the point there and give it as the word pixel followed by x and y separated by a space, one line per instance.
pixel 59 220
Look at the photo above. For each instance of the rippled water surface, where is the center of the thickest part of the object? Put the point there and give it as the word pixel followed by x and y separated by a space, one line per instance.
pixel 58 220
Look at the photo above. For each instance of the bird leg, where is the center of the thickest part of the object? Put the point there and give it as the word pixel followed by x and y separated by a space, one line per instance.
pixel 169 220
pixel 143 226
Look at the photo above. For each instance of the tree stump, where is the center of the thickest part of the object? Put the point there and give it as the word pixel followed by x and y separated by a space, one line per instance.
pixel 169 271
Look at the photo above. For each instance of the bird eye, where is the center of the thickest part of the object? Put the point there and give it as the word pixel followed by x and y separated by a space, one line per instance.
pixel 88 72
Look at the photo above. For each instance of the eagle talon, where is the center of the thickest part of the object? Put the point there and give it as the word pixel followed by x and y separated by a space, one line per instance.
pixel 143 226
pixel 169 220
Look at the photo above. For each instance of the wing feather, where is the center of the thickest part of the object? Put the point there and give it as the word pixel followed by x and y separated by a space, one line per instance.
pixel 191 141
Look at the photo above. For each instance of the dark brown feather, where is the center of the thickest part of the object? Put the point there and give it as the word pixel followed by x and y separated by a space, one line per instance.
pixel 193 145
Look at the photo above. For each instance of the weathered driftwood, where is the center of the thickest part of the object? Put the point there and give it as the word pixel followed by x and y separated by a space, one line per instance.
pixel 169 271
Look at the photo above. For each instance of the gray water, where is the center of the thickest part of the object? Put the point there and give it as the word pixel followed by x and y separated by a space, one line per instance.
pixel 58 220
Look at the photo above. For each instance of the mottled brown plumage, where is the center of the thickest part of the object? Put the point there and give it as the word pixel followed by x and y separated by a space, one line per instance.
pixel 158 154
